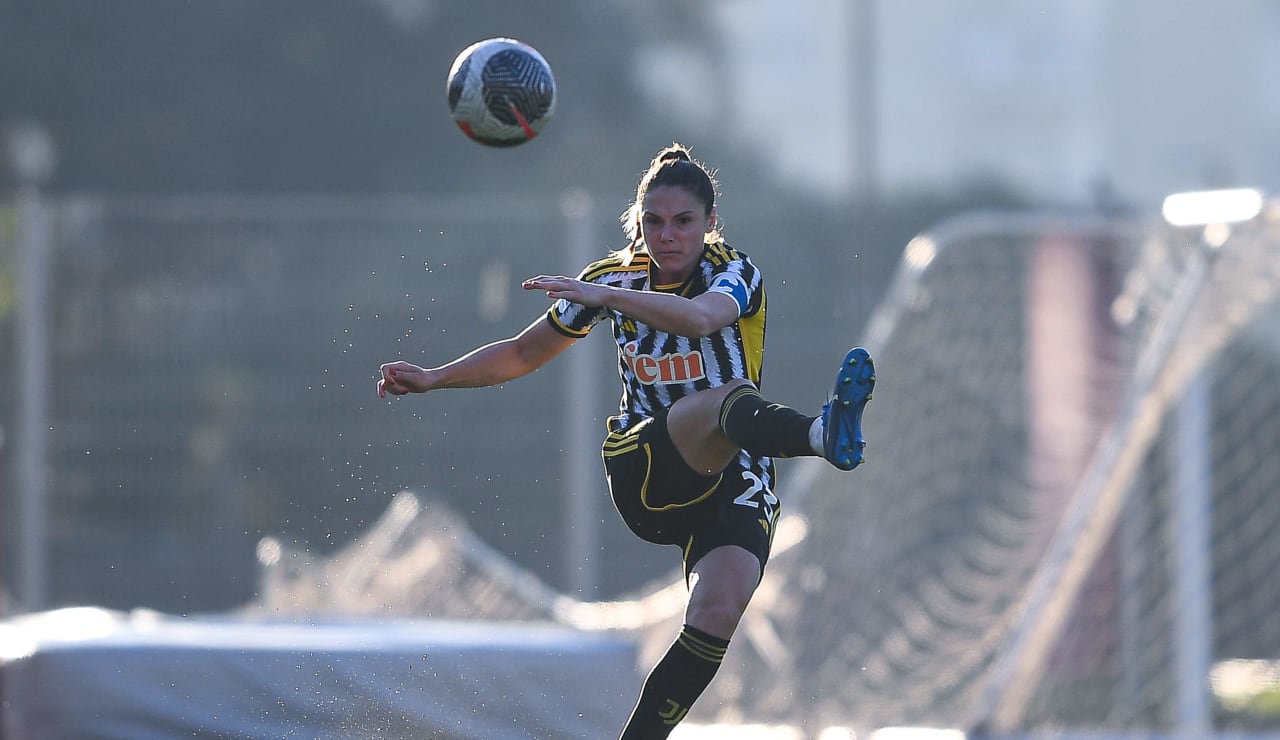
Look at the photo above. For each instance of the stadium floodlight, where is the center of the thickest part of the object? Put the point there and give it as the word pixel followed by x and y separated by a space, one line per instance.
pixel 1206 207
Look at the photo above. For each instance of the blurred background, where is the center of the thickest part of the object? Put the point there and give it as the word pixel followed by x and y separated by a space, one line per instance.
pixel 240 209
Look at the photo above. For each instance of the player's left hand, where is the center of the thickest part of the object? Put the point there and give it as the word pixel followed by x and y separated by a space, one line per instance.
pixel 570 289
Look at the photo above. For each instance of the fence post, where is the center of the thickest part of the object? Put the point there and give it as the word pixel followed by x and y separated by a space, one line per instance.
pixel 581 387
pixel 32 472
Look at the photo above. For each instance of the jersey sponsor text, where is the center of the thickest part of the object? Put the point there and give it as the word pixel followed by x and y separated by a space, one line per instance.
pixel 669 368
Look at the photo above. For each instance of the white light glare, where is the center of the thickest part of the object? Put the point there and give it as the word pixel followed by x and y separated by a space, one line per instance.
pixel 920 252
pixel 1203 207
pixel 916 733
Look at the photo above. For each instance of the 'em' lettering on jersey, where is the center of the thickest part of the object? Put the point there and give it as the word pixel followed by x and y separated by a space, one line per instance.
pixel 670 368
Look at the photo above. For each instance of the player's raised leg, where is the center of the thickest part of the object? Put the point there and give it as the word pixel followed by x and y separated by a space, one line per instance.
pixel 762 427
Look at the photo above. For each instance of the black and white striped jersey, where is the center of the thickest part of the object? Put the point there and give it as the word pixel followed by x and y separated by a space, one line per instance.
pixel 658 368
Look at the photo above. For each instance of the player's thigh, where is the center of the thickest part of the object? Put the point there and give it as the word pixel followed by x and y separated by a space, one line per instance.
pixel 694 426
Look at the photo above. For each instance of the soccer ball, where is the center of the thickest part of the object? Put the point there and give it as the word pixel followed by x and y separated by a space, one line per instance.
pixel 501 92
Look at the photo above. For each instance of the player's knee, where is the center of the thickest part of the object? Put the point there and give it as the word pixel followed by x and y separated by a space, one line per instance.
pixel 734 385
pixel 718 615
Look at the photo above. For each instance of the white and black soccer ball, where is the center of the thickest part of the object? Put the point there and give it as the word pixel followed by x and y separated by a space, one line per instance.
pixel 501 92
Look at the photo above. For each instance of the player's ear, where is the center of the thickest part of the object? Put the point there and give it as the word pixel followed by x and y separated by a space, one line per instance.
pixel 712 220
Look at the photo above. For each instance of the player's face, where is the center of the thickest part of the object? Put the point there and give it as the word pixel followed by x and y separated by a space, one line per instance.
pixel 673 223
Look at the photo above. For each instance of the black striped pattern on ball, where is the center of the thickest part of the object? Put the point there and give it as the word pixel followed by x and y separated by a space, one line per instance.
pixel 515 76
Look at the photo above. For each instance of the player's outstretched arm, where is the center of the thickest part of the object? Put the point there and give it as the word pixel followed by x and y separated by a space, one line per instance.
pixel 687 317
pixel 491 364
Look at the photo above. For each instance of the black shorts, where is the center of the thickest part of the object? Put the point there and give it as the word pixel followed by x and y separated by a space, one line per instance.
pixel 663 500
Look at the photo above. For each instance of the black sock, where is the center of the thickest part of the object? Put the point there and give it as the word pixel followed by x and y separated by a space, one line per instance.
pixel 674 684
pixel 764 428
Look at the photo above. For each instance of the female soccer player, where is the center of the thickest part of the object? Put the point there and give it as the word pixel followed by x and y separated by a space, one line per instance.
pixel 688 456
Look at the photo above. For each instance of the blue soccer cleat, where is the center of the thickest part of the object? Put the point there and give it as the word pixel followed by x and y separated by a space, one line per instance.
pixel 842 439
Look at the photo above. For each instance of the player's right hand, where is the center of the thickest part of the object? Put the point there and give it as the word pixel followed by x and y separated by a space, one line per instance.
pixel 399 378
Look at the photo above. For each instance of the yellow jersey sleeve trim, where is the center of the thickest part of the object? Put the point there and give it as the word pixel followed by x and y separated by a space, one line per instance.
pixel 752 328
pixel 560 327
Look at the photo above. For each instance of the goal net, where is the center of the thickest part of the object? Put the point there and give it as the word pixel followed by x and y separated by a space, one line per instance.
pixel 1069 518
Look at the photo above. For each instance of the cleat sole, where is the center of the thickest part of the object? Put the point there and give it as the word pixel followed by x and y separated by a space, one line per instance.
pixel 842 422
